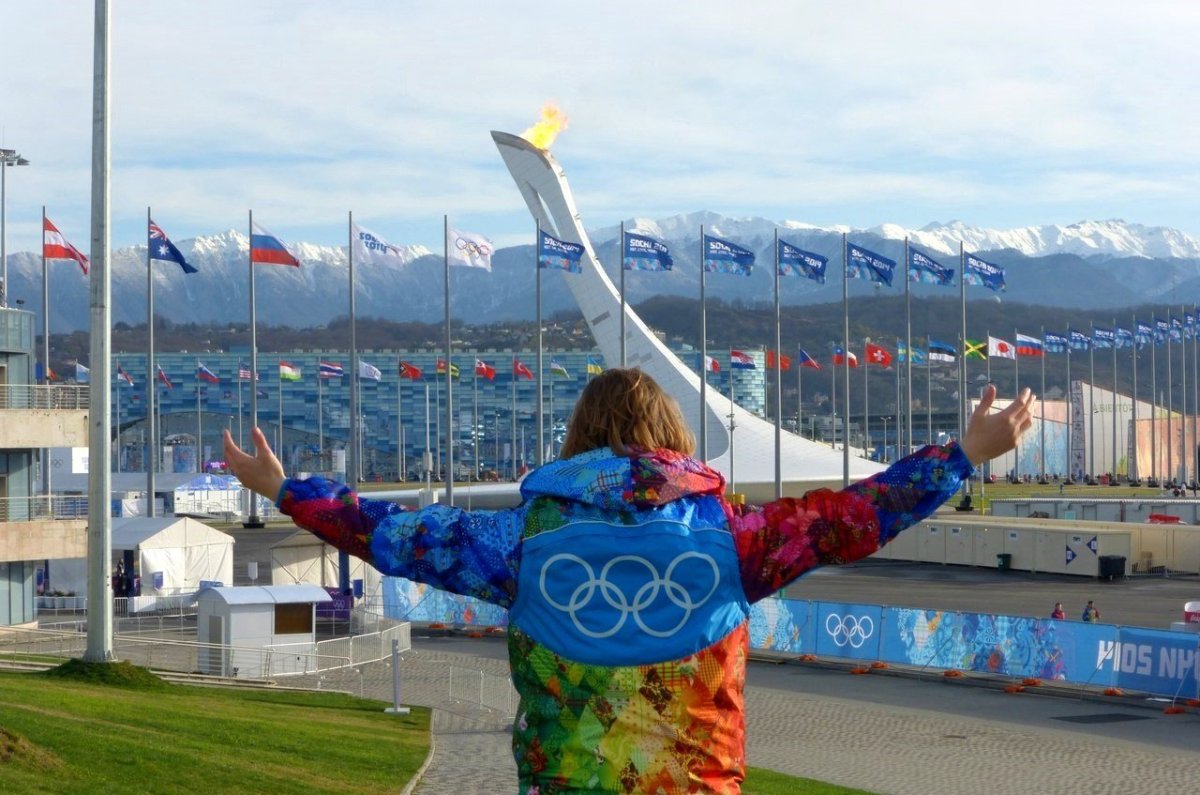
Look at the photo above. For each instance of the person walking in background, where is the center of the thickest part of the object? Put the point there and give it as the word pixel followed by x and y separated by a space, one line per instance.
pixel 628 578
pixel 1090 612
pixel 1058 612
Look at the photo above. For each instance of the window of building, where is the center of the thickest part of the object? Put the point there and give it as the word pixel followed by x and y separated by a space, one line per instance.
pixel 293 619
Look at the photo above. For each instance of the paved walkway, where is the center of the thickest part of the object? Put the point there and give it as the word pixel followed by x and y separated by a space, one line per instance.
pixel 887 734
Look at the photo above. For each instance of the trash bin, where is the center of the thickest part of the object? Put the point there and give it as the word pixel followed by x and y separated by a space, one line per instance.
pixel 1003 561
pixel 1112 567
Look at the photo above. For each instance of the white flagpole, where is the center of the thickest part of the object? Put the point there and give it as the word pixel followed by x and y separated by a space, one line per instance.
pixel 1183 435
pixel 513 412
pixel 703 429
pixel 866 428
pixel 151 392
pixel 428 459
pixel 732 480
pixel 621 265
pixel 1195 393
pixel 928 391
pixel 253 519
pixel 199 425
pixel 550 441
pixel 1134 469
pixel 908 351
pixel 1113 472
pixel 353 449
pixel 1070 475
pixel 279 415
pixel 118 423
pixel 778 386
pixel 45 344
pixel 449 373
pixel 474 430
pixel 1153 400
pixel 1016 391
pixel 962 352
pixel 845 363
pixel 1042 405
pixel 541 417
pixel 320 419
pixel 241 443
pixel 99 535
pixel 799 396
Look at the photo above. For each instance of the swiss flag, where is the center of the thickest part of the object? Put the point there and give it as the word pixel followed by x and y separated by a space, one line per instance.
pixel 878 355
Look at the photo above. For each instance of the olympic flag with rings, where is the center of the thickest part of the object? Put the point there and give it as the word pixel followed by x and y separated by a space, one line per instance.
pixel 846 630
pixel 469 249
pixel 612 594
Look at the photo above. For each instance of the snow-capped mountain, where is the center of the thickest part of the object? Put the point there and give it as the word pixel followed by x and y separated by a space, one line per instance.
pixel 1091 264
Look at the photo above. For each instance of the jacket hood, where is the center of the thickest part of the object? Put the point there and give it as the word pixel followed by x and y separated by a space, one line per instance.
pixel 637 480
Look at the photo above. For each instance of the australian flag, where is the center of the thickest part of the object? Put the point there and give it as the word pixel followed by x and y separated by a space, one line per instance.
pixel 161 247
pixel 722 256
pixel 798 262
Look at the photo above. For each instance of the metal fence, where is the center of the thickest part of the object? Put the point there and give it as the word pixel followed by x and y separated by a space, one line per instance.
pixel 489 691
pixel 56 396
pixel 42 508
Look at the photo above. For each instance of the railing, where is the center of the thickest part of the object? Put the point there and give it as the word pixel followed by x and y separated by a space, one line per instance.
pixel 480 688
pixel 55 396
pixel 41 508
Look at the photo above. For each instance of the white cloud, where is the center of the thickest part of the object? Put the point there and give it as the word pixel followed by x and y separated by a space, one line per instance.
pixel 858 112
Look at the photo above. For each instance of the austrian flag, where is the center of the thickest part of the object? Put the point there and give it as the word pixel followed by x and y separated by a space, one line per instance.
pixel 55 246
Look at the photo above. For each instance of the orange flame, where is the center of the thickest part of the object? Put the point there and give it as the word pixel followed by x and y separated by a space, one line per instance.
pixel 546 129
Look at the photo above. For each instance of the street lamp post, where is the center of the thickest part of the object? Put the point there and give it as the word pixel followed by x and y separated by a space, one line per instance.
pixel 8 157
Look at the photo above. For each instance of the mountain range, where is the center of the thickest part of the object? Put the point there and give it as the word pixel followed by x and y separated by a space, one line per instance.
pixel 1089 265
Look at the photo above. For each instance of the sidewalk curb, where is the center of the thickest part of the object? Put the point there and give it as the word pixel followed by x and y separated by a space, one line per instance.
pixel 424 768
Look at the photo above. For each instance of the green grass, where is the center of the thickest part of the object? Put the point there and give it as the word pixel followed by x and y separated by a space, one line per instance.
pixel 768 782
pixel 116 728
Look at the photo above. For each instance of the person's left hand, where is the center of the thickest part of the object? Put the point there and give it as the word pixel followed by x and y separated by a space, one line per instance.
pixel 991 435
pixel 261 472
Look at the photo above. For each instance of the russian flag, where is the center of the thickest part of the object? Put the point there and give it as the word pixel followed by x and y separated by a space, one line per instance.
pixel 1029 346
pixel 266 249
pixel 204 374
pixel 741 361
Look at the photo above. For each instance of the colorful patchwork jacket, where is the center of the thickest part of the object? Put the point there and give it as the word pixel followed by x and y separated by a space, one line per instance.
pixel 628 580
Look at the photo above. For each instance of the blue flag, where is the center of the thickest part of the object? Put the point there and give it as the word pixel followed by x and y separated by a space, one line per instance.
pixel 1160 331
pixel 942 352
pixel 1143 333
pixel 644 253
pixel 983 274
pixel 161 247
pixel 1124 338
pixel 864 264
pixel 722 256
pixel 798 262
pixel 926 270
pixel 1176 330
pixel 555 253
pixel 1103 339
pixel 918 355
pixel 1079 340
pixel 1054 343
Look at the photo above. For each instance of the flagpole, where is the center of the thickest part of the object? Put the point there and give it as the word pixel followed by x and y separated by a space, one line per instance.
pixel 1042 409
pixel 732 480
pixel 241 443
pixel 1195 393
pixel 118 423
pixel 550 441
pixel 1070 412
pixel 513 412
pixel 474 427
pixel 1113 473
pixel 778 386
pixel 253 519
pixel 151 426
pixel 1016 391
pixel 928 391
pixel 320 420
pixel 541 417
pixel 962 361
pixel 353 449
pixel 703 429
pixel 899 438
pixel 199 426
pixel 45 344
pixel 866 428
pixel 908 351
pixel 799 398
pixel 621 265
pixel 1183 435
pixel 449 372
pixel 1134 469
pixel 1153 399
pixel 428 458
pixel 845 364
pixel 1170 406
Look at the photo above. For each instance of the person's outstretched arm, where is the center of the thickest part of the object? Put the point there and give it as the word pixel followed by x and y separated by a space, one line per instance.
pixel 474 554
pixel 784 539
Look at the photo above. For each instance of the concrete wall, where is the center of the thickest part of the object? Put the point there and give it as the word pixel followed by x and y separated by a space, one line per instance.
pixel 47 538
pixel 25 428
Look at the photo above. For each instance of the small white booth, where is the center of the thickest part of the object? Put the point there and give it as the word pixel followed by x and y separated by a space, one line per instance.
pixel 258 630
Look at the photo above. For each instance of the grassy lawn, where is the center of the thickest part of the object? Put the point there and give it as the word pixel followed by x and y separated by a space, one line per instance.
pixel 768 782
pixel 122 730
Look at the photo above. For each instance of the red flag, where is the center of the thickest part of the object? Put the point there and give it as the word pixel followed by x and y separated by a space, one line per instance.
pixel 484 369
pixel 55 246
pixel 519 368
pixel 878 355
pixel 841 357
pixel 409 371
pixel 711 364
pixel 780 360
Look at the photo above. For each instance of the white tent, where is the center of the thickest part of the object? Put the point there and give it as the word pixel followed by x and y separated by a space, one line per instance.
pixel 183 551
pixel 208 494
pixel 302 558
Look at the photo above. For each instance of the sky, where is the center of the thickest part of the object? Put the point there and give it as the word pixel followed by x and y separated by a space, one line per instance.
pixel 1000 115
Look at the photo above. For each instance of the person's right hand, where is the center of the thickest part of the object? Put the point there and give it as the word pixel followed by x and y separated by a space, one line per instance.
pixel 990 435
pixel 261 472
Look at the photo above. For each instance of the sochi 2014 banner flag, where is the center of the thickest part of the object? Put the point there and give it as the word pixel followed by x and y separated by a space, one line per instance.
pixel 864 264
pixel 924 269
pixel 373 249
pixel 266 249
pixel 739 360
pixel 55 246
pixel 1001 349
pixel 1079 341
pixel 1143 333
pixel 1124 338
pixel 1103 338
pixel 555 253
pixel 469 250
pixel 1028 346
pixel 798 262
pixel 722 256
pixel 983 274
pixel 644 253
pixel 1055 343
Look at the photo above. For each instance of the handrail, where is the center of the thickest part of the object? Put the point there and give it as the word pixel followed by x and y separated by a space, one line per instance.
pixel 43 507
pixel 49 396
